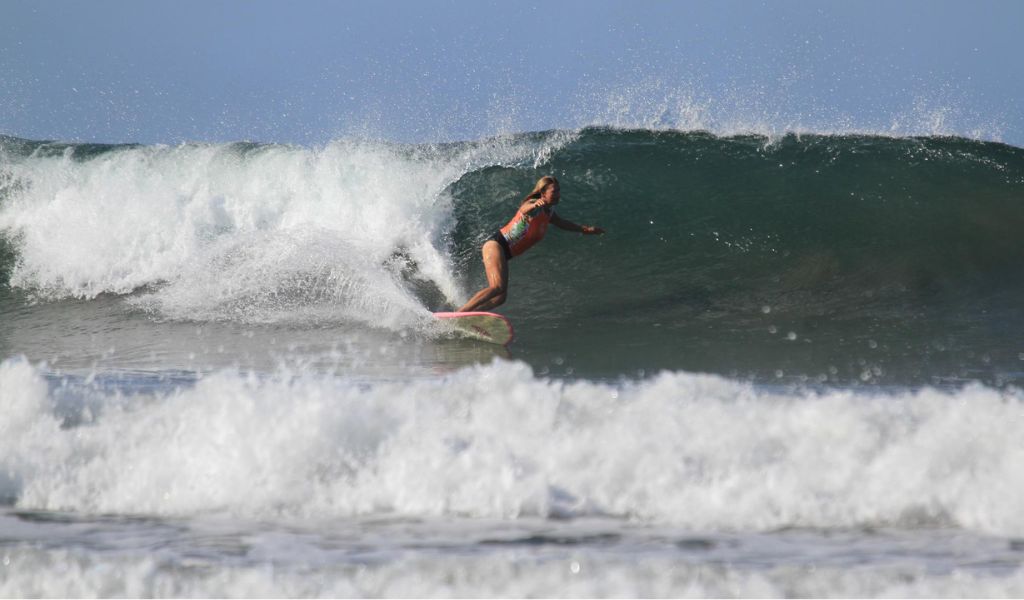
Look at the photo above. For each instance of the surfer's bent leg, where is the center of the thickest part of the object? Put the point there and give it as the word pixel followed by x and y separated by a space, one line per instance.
pixel 496 266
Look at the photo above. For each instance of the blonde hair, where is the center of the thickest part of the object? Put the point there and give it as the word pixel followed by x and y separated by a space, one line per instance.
pixel 538 189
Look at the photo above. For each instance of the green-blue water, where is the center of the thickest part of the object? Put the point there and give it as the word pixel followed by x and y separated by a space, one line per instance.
pixel 817 258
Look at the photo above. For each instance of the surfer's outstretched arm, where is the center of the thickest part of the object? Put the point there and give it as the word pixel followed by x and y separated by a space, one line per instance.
pixel 561 223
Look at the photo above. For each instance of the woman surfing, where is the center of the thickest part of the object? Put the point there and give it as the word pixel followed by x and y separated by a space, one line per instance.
pixel 526 228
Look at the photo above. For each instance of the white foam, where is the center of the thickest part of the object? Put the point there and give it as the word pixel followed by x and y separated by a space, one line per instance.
pixel 495 441
pixel 229 232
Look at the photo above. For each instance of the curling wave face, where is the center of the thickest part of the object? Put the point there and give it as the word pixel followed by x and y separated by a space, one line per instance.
pixel 820 257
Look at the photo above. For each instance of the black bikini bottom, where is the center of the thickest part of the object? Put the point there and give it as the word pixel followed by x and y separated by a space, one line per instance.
pixel 496 236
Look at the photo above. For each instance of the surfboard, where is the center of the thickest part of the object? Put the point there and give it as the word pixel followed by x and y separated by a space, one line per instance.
pixel 483 326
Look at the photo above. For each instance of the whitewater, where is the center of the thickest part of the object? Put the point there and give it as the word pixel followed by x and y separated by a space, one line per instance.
pixel 791 368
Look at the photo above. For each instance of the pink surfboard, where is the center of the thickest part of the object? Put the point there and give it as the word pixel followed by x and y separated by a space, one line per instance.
pixel 483 326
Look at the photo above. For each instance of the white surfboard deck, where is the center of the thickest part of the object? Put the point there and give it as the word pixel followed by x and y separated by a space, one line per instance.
pixel 483 326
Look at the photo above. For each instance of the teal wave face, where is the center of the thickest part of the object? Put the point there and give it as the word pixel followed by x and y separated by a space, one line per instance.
pixel 818 255
pixel 816 258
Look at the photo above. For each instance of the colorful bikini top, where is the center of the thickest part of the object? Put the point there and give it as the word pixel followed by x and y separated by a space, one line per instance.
pixel 527 227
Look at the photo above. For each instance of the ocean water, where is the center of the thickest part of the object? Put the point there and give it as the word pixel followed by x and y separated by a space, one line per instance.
pixel 792 367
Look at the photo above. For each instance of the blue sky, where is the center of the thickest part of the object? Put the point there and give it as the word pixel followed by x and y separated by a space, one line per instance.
pixel 307 72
